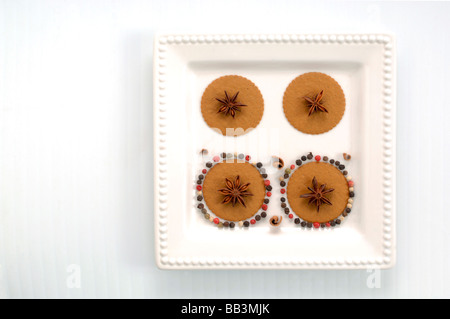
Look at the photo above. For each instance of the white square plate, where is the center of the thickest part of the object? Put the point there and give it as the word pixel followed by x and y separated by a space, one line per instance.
pixel 364 66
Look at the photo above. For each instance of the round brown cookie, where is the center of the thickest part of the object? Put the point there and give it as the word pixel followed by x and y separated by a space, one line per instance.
pixel 246 117
pixel 296 108
pixel 324 173
pixel 215 180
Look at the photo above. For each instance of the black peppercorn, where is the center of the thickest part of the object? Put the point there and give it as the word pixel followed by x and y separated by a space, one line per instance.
pixel 303 158
pixel 298 162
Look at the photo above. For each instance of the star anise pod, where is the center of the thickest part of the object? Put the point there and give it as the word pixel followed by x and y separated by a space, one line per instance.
pixel 234 191
pixel 317 194
pixel 315 105
pixel 229 105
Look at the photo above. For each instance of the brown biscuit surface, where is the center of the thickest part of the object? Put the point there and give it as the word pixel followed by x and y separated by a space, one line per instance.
pixel 246 119
pixel 296 107
pixel 215 180
pixel 327 174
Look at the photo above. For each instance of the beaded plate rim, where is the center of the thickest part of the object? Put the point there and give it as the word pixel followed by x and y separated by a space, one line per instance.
pixel 388 103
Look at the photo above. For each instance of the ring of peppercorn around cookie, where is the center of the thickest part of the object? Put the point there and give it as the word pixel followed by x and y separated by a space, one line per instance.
pixel 318 191
pixel 233 191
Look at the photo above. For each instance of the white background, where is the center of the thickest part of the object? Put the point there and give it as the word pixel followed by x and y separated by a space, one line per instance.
pixel 76 158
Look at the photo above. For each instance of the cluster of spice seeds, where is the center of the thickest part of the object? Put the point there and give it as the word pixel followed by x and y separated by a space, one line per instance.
pixel 299 162
pixel 224 223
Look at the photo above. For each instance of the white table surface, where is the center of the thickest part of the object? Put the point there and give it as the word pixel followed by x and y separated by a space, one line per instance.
pixel 76 203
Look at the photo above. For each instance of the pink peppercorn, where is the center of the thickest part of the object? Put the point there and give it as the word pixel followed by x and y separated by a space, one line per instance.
pixel 267 182
pixel 216 158
pixel 317 158
pixel 264 206
pixel 282 191
pixel 247 158
pixel 292 166
pixel 350 183
pixel 328 225
pixel 199 187
pixel 216 220
pixel 291 216
pixel 269 194
pixel 316 225
pixel 204 171
pixel 253 222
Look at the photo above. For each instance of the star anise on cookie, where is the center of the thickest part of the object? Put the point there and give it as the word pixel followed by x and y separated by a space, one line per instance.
pixel 317 194
pixel 315 105
pixel 229 105
pixel 234 191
